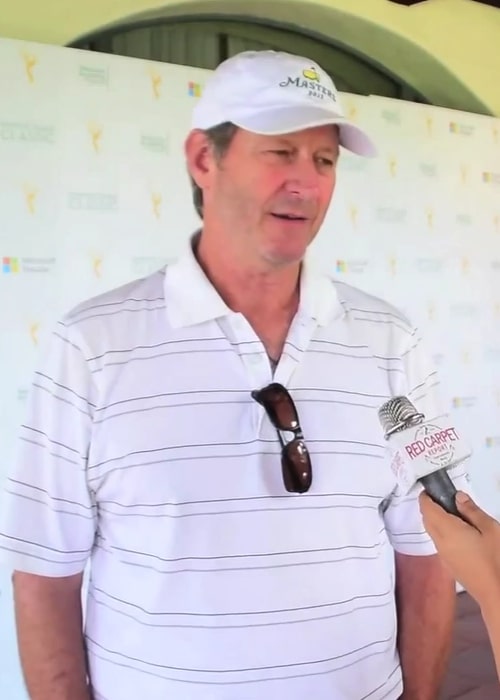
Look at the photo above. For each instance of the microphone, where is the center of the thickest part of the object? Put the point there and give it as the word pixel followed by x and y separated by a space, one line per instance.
pixel 423 451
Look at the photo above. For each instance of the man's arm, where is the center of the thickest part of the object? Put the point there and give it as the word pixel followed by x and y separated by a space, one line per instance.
pixel 50 637
pixel 426 599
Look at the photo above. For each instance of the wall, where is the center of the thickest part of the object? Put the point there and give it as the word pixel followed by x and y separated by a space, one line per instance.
pixel 446 49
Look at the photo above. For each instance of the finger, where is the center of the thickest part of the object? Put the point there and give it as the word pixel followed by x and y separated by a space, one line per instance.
pixel 476 516
pixel 433 516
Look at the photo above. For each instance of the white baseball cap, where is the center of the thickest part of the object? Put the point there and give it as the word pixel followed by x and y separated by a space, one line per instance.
pixel 272 93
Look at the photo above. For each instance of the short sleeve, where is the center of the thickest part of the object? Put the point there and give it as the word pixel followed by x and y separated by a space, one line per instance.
pixel 419 381
pixel 48 513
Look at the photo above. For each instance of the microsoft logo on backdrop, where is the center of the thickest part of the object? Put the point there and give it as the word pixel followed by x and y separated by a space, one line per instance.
pixel 462 129
pixel 194 89
pixel 27 265
pixel 491 178
pixel 10 265
pixel 26 131
pixel 464 401
pixel 355 266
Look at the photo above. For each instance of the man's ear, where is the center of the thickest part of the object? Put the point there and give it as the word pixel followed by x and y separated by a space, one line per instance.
pixel 199 157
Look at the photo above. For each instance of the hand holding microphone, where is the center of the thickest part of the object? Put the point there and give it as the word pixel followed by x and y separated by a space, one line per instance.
pixel 423 451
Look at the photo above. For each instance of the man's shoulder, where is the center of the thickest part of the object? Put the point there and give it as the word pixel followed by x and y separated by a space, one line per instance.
pixel 140 294
pixel 363 305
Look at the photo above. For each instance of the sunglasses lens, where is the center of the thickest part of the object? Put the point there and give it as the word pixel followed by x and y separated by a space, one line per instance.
pixel 279 406
pixel 296 467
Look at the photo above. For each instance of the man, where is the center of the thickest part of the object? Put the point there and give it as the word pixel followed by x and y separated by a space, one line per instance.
pixel 472 553
pixel 207 438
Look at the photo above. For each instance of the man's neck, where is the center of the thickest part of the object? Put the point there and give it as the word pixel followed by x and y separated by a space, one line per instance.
pixel 250 289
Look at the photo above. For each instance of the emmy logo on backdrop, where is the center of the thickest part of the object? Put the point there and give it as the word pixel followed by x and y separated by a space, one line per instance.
pixel 30 195
pixel 429 125
pixel 156 202
pixel 429 215
pixel 95 132
pixel 464 174
pixel 97 266
pixel 156 81
pixel 34 329
pixel 353 215
pixel 393 166
pixel 30 61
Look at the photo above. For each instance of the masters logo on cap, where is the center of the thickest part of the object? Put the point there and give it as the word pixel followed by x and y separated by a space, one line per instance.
pixel 311 81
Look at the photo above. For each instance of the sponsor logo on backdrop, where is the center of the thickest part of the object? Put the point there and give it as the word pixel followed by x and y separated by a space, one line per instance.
pixel 461 129
pixel 26 132
pixel 492 355
pixel 30 61
pixel 155 143
pixel 491 178
pixel 95 132
pixel 146 265
pixel 464 309
pixel 27 265
pixel 352 164
pixel 464 401
pixel 392 116
pixel 493 441
pixel 34 329
pixel 10 266
pixel 156 81
pixel 429 265
pixel 96 261
pixel 93 75
pixel 428 169
pixel 156 203
pixel 30 195
pixel 391 215
pixel 438 358
pixel 194 89
pixel 464 219
pixel 355 266
pixel 92 201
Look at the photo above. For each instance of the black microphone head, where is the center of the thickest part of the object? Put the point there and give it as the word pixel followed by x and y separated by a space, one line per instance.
pixel 397 414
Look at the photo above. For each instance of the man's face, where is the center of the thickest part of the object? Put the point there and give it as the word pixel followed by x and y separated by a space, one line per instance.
pixel 268 195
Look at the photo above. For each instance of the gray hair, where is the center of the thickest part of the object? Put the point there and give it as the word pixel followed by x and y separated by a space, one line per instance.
pixel 220 138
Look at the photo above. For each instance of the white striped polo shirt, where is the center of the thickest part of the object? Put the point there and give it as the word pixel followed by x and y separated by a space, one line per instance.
pixel 144 453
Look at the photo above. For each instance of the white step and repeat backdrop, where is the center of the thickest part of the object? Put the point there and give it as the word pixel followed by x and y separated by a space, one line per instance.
pixel 93 192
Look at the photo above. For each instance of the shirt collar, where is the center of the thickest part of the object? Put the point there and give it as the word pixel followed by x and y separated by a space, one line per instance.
pixel 191 299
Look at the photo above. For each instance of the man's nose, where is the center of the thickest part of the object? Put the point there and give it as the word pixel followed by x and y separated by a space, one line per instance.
pixel 303 180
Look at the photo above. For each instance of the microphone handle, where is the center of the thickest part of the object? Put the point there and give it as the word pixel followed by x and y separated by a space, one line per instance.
pixel 442 491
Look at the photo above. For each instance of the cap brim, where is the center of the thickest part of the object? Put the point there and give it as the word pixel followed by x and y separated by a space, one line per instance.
pixel 273 122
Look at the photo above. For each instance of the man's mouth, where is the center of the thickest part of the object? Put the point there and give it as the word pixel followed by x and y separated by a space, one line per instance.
pixel 289 217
